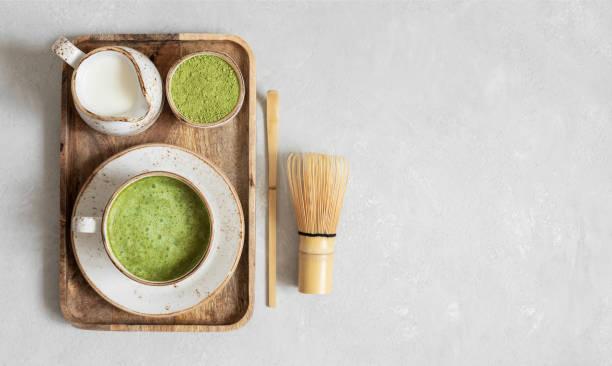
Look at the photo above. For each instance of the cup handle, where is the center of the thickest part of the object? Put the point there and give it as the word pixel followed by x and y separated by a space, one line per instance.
pixel 67 51
pixel 83 224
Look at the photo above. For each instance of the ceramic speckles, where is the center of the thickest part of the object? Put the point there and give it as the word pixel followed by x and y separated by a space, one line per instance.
pixel 150 85
pixel 226 247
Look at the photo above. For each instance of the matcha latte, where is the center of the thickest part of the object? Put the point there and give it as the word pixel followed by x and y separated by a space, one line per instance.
pixel 158 228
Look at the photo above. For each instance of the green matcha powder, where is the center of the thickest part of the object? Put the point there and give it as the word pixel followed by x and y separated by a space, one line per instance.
pixel 205 88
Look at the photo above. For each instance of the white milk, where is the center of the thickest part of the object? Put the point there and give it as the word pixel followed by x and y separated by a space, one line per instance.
pixel 107 85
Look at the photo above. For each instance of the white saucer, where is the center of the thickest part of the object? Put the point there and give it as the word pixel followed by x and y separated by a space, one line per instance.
pixel 226 247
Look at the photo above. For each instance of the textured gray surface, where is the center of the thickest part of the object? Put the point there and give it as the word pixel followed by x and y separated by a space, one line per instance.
pixel 476 228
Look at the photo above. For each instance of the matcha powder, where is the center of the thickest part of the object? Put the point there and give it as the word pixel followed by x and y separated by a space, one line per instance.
pixel 205 88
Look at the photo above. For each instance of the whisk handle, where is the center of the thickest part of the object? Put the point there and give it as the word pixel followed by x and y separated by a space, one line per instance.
pixel 316 260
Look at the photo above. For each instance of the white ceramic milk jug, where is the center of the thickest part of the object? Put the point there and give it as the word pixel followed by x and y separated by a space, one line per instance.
pixel 116 90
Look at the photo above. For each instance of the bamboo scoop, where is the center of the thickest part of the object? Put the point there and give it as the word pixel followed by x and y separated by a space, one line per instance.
pixel 318 183
pixel 272 126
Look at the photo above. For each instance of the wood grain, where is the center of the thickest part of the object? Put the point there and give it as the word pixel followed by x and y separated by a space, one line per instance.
pixel 230 147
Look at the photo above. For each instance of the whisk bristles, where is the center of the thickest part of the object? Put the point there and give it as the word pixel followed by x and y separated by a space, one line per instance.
pixel 318 183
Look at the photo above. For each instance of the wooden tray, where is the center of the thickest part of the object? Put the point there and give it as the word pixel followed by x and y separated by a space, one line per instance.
pixel 231 148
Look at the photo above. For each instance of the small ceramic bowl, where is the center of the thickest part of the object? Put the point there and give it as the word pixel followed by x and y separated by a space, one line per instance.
pixel 222 121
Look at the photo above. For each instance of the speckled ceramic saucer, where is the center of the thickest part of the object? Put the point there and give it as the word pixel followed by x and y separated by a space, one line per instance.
pixel 226 247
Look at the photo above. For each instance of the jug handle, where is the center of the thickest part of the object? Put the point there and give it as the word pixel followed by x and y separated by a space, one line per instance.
pixel 67 51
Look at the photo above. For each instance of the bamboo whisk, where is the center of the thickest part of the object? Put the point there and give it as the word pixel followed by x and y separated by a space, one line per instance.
pixel 317 183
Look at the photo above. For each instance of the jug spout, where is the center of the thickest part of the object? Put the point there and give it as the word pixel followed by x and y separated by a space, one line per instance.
pixel 67 51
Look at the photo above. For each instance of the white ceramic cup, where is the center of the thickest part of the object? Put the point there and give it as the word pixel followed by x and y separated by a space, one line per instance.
pixel 93 225
pixel 131 122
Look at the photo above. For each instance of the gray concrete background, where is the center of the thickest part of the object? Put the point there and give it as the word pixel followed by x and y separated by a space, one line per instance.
pixel 476 228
